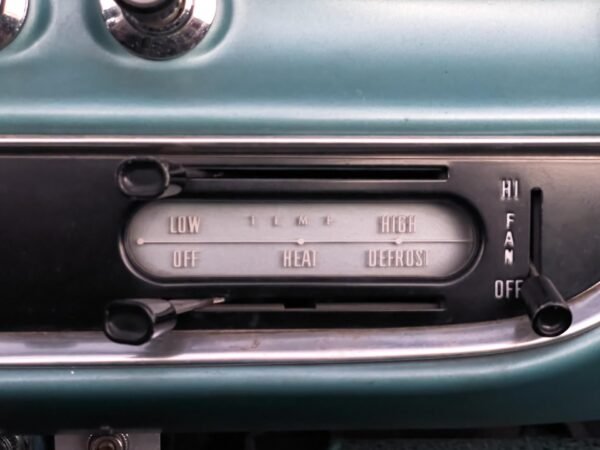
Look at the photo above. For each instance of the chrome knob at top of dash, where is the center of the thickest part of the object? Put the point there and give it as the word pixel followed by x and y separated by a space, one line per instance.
pixel 146 4
pixel 152 12
pixel 158 29
pixel 12 18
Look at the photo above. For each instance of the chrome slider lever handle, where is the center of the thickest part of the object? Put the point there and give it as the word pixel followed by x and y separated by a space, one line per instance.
pixel 138 321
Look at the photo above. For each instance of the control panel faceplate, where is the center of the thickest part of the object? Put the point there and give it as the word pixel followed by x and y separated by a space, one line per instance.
pixel 264 244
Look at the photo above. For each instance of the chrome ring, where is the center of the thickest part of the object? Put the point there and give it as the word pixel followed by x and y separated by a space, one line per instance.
pixel 165 42
pixel 12 17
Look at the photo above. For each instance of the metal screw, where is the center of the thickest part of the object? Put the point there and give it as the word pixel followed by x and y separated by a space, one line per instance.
pixel 117 441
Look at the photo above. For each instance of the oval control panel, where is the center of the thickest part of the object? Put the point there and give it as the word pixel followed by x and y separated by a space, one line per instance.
pixel 200 240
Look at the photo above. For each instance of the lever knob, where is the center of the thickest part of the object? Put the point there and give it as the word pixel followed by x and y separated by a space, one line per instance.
pixel 549 313
pixel 138 321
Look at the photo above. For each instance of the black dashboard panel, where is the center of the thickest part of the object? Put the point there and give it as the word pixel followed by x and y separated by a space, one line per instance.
pixel 65 216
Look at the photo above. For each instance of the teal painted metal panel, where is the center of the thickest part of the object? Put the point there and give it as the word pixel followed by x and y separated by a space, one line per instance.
pixel 316 67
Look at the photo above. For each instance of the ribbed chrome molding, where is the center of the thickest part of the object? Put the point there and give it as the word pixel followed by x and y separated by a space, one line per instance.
pixel 161 140
pixel 299 346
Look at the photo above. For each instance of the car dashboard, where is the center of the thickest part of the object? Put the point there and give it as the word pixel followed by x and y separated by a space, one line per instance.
pixel 252 224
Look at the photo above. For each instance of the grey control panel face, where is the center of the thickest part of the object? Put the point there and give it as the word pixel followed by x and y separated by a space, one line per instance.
pixel 202 240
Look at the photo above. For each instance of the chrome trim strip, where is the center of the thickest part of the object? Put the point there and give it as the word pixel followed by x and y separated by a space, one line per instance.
pixel 159 140
pixel 299 346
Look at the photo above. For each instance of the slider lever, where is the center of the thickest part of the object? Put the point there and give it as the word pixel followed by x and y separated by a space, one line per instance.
pixel 549 313
pixel 148 178
pixel 138 321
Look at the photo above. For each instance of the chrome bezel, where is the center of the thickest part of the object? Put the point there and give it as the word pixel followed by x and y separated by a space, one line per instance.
pixel 160 42
pixel 12 18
